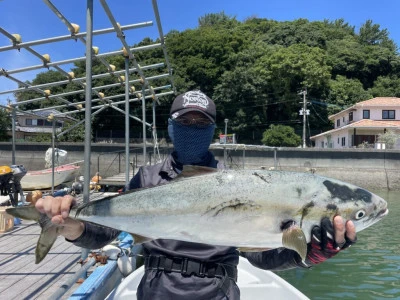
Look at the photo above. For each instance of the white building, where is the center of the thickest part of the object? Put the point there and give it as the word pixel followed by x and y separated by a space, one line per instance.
pixel 28 125
pixel 361 124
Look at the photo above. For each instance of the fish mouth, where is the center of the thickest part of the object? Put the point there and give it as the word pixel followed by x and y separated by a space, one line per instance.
pixel 384 212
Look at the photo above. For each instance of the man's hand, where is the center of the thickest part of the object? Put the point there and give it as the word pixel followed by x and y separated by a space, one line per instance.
pixel 327 240
pixel 57 209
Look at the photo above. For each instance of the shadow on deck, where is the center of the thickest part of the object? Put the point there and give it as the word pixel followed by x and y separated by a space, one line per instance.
pixel 21 278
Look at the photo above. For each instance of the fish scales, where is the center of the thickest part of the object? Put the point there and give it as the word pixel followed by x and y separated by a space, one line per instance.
pixel 221 208
pixel 239 208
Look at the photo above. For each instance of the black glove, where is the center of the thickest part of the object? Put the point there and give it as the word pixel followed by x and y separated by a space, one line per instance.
pixel 323 245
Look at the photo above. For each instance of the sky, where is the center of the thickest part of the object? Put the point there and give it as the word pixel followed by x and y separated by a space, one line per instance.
pixel 33 20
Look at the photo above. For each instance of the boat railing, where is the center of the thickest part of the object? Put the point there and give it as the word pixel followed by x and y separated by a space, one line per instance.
pixel 135 156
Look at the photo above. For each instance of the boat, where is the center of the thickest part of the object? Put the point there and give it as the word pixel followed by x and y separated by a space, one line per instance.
pixel 254 283
pixel 42 179
pixel 108 282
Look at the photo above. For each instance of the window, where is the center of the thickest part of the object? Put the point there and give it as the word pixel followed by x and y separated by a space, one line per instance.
pixel 322 144
pixel 350 116
pixel 338 140
pixel 366 114
pixel 388 114
pixel 343 141
pixel 40 122
pixel 343 120
pixel 338 123
pixel 28 122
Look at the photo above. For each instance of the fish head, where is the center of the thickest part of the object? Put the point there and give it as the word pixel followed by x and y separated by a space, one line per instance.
pixel 353 203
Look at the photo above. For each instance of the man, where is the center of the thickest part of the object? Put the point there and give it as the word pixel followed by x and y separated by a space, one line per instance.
pixel 182 270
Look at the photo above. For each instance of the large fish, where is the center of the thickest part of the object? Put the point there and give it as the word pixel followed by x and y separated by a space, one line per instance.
pixel 247 209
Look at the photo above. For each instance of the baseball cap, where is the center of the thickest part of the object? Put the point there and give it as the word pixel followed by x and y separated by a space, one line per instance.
pixel 193 101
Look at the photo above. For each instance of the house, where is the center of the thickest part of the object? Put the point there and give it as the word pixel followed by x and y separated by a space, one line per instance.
pixel 35 123
pixel 361 124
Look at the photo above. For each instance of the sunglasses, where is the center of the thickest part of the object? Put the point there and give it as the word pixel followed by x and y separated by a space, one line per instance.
pixel 193 121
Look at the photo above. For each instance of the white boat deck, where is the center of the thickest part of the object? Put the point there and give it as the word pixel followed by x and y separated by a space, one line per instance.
pixel 21 278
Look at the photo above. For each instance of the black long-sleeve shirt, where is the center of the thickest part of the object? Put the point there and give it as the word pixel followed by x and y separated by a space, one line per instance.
pixel 156 285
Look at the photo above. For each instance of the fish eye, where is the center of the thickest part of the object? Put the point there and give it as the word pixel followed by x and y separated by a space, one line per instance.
pixel 360 214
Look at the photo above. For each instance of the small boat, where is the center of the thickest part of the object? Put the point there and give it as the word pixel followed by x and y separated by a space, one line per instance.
pixel 42 179
pixel 253 283
pixel 109 282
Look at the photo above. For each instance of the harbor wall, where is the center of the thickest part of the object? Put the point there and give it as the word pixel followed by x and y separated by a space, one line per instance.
pixel 369 168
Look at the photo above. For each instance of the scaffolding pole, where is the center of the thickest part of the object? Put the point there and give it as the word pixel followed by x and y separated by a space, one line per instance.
pixel 127 135
pixel 70 37
pixel 57 83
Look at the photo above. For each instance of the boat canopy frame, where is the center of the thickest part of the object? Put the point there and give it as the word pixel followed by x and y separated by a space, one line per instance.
pixel 93 94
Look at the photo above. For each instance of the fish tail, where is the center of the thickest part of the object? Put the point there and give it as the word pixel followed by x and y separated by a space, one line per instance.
pixel 24 212
pixel 49 232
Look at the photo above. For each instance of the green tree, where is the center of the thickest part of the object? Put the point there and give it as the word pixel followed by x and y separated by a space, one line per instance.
pixel 390 138
pixel 281 136
pixel 295 67
pixel 254 71
pixel 242 95
pixel 217 19
pixel 345 92
pixel 5 124
pixel 42 78
pixel 386 86
pixel 75 135
pixel 40 138
pixel 371 34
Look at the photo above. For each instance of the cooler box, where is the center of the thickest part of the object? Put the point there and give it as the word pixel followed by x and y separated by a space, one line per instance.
pixel 6 220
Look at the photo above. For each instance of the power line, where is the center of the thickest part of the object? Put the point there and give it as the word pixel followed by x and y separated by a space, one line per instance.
pixel 318 115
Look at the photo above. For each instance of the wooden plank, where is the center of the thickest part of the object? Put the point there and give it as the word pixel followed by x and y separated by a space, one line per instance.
pixel 33 279
pixel 26 261
pixel 115 180
pixel 19 243
pixel 50 274
pixel 23 267
pixel 23 229
pixel 20 277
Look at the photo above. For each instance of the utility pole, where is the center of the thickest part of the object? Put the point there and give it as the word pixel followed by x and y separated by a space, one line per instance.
pixel 226 133
pixel 304 113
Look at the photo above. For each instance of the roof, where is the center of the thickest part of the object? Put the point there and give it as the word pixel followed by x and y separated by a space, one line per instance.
pixel 36 129
pixel 375 123
pixel 380 101
pixel 365 123
pixel 374 102
pixel 45 113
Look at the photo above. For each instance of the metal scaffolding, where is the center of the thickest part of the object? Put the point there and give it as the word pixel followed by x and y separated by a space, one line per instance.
pixel 96 99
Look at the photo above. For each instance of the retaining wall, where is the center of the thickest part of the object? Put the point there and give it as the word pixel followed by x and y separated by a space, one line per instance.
pixel 368 168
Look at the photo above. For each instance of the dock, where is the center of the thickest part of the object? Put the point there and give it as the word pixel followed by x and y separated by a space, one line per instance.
pixel 115 180
pixel 21 278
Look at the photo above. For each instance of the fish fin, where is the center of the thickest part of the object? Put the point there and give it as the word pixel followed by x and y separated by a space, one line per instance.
pixel 248 249
pixel 139 239
pixel 190 171
pixel 24 212
pixel 49 232
pixel 294 238
pixel 46 240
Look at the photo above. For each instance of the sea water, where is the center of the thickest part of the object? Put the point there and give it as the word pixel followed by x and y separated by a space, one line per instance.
pixel 370 269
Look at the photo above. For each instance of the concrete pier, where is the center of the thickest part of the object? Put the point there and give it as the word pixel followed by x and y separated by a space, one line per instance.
pixel 369 168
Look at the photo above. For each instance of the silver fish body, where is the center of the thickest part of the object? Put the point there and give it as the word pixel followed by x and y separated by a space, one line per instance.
pixel 243 208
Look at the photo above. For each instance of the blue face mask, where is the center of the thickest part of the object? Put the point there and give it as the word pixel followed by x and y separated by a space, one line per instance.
pixel 191 143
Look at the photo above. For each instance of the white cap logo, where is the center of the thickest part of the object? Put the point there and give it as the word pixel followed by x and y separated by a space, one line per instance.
pixel 195 98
